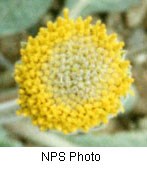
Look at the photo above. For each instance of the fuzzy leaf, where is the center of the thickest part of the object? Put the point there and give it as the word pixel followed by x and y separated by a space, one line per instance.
pixel 125 139
pixel 16 15
pixel 85 7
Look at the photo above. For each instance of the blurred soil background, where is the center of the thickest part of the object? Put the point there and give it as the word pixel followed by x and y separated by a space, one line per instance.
pixel 128 18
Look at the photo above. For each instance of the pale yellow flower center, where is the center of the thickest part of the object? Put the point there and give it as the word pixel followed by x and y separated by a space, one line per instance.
pixel 76 70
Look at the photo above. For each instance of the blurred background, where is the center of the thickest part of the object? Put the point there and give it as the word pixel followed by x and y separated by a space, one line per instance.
pixel 21 18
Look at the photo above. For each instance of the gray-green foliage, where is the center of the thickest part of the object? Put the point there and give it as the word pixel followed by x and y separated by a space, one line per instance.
pixel 6 140
pixel 17 15
pixel 85 7
pixel 130 101
pixel 124 139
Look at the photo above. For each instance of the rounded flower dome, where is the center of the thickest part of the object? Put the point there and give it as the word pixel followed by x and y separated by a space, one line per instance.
pixel 72 75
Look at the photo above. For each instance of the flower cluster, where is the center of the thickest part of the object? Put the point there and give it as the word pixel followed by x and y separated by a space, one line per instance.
pixel 72 75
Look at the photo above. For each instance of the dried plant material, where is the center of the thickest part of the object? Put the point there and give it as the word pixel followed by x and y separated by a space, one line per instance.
pixel 6 79
pixel 136 15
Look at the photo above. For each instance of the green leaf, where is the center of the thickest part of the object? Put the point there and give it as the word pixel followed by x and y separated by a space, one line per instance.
pixel 85 7
pixel 16 15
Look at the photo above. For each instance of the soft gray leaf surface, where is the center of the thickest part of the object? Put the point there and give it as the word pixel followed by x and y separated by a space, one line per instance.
pixel 17 15
pixel 85 7
pixel 124 139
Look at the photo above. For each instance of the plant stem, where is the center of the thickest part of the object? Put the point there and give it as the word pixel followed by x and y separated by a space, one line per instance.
pixel 32 134
pixel 7 112
pixel 9 106
pixel 11 119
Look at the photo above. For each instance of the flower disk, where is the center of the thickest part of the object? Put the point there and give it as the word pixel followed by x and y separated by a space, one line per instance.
pixel 72 75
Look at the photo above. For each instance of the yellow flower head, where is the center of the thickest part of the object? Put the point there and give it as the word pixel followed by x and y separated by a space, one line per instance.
pixel 72 75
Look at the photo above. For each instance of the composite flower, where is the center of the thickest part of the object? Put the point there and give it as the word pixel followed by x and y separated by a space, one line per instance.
pixel 72 76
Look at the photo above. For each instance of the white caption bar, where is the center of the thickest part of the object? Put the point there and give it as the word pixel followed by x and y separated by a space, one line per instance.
pixel 73 158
